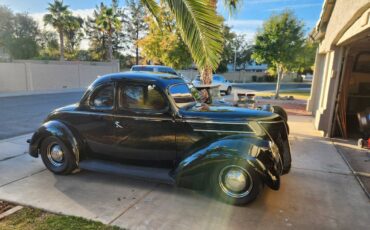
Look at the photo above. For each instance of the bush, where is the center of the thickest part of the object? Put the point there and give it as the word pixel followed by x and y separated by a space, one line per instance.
pixel 269 78
pixel 298 79
pixel 254 78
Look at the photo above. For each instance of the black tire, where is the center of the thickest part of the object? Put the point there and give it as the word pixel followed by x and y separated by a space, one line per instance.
pixel 64 166
pixel 279 110
pixel 228 91
pixel 251 193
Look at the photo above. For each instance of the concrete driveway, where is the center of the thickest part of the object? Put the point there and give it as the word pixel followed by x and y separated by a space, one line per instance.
pixel 319 193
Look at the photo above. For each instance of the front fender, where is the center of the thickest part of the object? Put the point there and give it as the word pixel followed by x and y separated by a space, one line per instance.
pixel 238 149
pixel 61 131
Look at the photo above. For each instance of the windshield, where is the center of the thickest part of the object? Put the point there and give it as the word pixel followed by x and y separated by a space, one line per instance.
pixel 181 94
pixel 217 78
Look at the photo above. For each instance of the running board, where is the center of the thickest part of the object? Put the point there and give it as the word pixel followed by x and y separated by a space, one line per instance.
pixel 138 172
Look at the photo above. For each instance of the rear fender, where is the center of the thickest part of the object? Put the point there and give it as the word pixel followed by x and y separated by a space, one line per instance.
pixel 241 150
pixel 62 132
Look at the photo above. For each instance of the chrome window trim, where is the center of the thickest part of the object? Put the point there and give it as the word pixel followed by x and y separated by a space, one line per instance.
pixel 220 131
pixel 216 122
pixel 271 122
pixel 122 116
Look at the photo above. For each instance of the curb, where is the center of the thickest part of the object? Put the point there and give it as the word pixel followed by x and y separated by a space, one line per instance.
pixel 11 139
pixel 40 92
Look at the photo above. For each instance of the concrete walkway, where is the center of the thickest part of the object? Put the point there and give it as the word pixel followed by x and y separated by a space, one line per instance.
pixel 319 193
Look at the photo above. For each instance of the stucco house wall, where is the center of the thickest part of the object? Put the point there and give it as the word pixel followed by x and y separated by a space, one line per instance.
pixel 341 22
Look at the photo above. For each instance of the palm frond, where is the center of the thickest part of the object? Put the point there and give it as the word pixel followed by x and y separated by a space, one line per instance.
pixel 200 28
pixel 153 7
pixel 232 5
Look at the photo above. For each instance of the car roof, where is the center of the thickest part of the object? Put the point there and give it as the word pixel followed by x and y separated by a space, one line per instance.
pixel 153 66
pixel 161 79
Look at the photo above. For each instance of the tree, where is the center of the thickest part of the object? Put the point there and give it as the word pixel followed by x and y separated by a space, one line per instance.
pixel 243 50
pixel 164 45
pixel 228 49
pixel 48 42
pixel 18 34
pixel 59 16
pixel 306 58
pixel 73 33
pixel 135 23
pixel 108 21
pixel 200 29
pixel 99 49
pixel 6 24
pixel 279 43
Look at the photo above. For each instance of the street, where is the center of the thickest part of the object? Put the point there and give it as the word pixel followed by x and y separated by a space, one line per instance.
pixel 24 114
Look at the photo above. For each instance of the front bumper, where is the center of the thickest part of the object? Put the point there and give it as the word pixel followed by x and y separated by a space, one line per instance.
pixel 33 148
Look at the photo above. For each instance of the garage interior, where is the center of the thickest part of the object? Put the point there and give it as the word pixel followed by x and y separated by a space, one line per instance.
pixel 354 88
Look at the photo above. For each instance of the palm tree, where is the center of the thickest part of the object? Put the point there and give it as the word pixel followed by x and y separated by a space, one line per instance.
pixel 59 16
pixel 108 21
pixel 200 28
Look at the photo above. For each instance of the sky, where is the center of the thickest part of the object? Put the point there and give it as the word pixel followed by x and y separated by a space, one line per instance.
pixel 247 20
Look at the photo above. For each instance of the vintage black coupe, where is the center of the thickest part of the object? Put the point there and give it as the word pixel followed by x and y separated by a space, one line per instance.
pixel 148 125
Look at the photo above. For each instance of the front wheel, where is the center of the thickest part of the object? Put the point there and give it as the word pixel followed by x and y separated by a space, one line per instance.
pixel 56 156
pixel 236 184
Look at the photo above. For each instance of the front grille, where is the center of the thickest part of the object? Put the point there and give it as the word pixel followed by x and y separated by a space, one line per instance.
pixel 279 134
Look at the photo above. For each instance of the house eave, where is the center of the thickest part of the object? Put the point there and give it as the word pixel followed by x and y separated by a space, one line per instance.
pixel 318 33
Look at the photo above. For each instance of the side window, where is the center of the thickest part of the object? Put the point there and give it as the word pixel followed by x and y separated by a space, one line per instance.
pixel 142 97
pixel 102 98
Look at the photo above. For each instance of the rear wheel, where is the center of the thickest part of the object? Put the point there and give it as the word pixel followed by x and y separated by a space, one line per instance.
pixel 56 156
pixel 235 184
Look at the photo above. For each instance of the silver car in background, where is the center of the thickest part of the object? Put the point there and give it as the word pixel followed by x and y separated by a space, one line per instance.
pixel 225 85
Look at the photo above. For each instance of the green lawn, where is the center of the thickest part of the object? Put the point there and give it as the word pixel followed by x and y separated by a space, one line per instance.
pixel 297 94
pixel 34 219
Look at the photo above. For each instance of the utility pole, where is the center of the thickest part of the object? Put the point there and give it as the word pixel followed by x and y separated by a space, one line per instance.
pixel 235 60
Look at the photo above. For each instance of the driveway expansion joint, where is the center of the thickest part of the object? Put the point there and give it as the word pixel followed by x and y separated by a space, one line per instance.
pixel 11 157
pixel 19 179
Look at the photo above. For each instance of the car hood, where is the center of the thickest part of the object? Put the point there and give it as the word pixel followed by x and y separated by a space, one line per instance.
pixel 227 113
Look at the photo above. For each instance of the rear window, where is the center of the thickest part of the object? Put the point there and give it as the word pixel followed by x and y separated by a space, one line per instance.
pixel 167 70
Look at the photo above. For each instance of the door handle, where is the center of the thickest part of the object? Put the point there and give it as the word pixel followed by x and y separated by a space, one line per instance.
pixel 118 124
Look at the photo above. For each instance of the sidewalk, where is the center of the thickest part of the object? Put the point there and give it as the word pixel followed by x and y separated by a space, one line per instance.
pixel 319 193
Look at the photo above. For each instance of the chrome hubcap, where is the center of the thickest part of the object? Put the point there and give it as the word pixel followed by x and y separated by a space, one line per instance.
pixel 235 181
pixel 55 154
